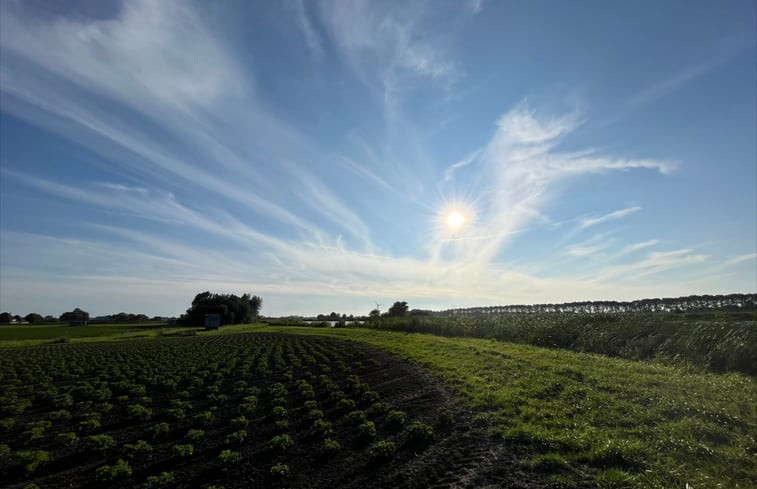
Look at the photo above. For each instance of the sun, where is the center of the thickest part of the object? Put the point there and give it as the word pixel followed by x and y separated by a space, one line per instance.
pixel 454 220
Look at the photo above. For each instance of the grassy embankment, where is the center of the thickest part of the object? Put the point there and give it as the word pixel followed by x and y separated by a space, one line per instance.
pixel 619 423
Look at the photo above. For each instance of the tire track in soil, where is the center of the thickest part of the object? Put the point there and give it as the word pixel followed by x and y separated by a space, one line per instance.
pixel 464 457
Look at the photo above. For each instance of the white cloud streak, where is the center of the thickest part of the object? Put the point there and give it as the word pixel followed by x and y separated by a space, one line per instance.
pixel 312 39
pixel 593 221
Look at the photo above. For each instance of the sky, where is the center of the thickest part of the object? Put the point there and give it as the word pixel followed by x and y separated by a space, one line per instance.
pixel 339 155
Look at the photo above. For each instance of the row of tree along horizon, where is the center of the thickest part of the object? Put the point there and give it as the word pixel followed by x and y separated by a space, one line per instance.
pixel 246 308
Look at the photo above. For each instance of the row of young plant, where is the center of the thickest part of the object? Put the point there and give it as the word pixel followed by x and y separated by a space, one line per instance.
pixel 107 411
pixel 715 342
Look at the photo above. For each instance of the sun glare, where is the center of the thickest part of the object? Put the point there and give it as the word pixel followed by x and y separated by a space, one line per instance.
pixel 455 220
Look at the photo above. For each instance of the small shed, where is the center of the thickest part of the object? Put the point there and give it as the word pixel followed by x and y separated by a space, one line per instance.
pixel 212 321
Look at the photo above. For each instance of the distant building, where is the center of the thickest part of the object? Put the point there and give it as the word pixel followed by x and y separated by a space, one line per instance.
pixel 212 321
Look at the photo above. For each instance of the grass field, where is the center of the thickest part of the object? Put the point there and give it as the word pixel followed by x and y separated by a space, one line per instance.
pixel 35 334
pixel 582 420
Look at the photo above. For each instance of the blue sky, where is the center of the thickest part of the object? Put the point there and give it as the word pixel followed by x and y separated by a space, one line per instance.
pixel 311 153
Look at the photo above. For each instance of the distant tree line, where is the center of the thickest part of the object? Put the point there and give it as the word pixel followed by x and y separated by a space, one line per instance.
pixel 397 310
pixel 231 308
pixel 35 318
pixel 78 316
pixel 692 303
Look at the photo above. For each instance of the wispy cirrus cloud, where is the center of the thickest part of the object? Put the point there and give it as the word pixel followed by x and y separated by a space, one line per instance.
pixel 592 221
pixel 516 170
pixel 181 78
pixel 312 39
pixel 223 190
pixel 383 44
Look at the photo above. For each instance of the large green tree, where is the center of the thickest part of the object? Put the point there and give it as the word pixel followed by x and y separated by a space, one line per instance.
pixel 231 308
pixel 75 315
pixel 34 318
pixel 398 309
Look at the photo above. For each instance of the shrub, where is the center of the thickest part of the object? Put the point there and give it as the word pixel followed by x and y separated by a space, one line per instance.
pixel 204 418
pixel 279 412
pixel 356 417
pixel 63 401
pixel 229 458
pixel 247 408
pixel 194 435
pixel 310 405
pixel 367 430
pixel 139 412
pixel 181 404
pixel 156 481
pixel 396 417
pixel 444 417
pixel 176 414
pixel 382 450
pixel 281 425
pixel 353 382
pixel 36 430
pixel 236 437
pixel 315 414
pixel 32 459
pixel 60 415
pixel 99 442
pixel 378 408
pixel 131 450
pixel 7 423
pixel 88 425
pixel 345 404
pixel 159 430
pixel 239 423
pixel 369 397
pixel 104 407
pixel 279 401
pixel 277 390
pixel 68 439
pixel 331 446
pixel 118 470
pixel 183 450
pixel 418 432
pixel 282 443
pixel 280 470
pixel 322 427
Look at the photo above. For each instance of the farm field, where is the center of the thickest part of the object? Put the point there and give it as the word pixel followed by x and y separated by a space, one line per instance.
pixel 11 335
pixel 499 414
pixel 229 411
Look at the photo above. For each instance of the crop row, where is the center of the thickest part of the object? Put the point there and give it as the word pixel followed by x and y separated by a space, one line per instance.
pixel 206 408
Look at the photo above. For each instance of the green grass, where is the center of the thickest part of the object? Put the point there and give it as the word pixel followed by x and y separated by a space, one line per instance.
pixel 28 334
pixel 718 341
pixel 601 418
